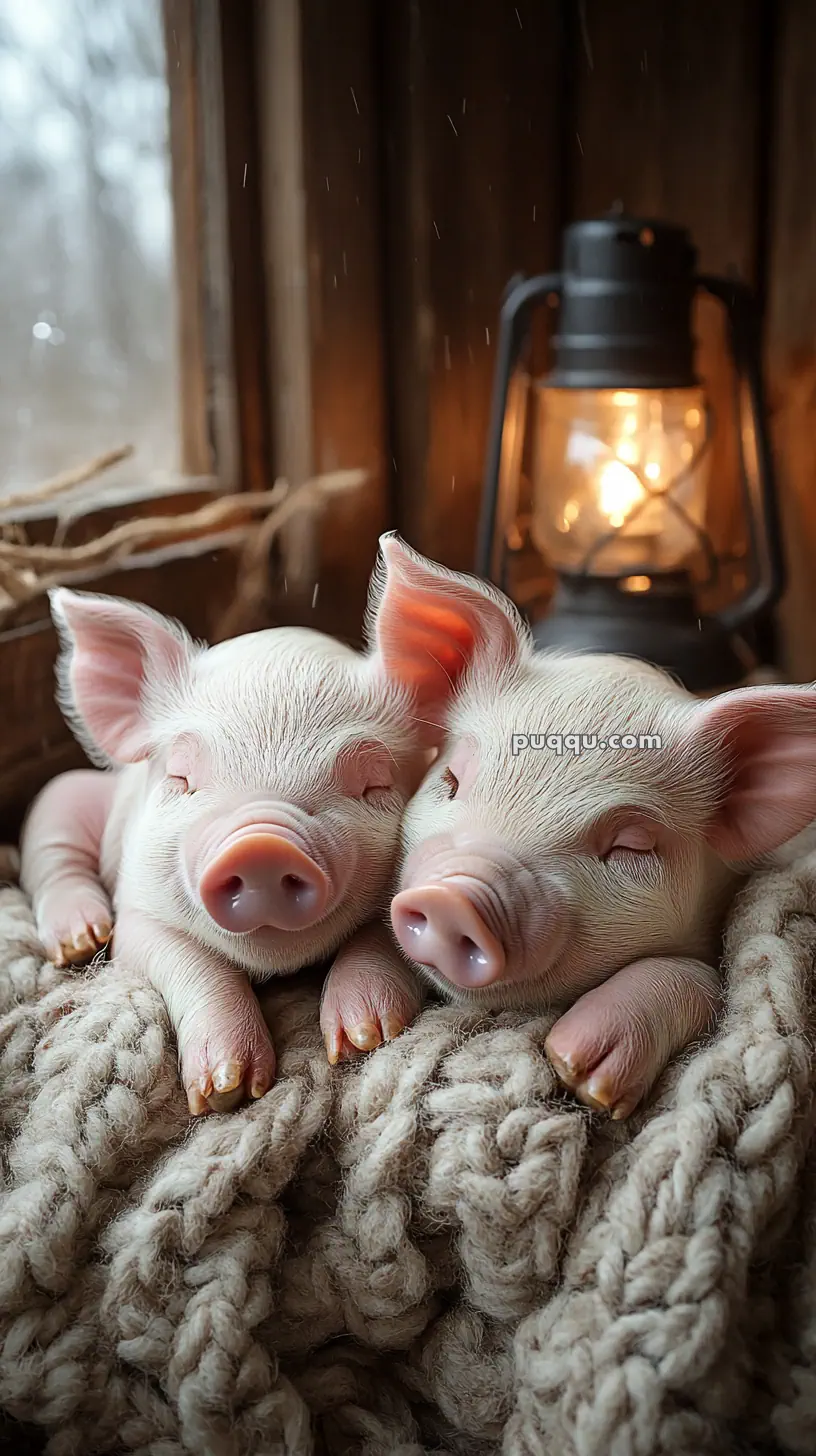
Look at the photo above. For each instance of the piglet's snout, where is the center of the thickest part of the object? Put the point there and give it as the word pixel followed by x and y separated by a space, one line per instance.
pixel 440 926
pixel 262 879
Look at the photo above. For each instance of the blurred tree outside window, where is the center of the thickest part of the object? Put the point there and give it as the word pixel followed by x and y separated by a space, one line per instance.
pixel 88 329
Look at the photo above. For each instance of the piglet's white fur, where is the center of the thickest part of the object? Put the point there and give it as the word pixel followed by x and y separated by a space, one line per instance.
pixel 596 882
pixel 242 824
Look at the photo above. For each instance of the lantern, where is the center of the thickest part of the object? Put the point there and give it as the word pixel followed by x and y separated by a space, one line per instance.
pixel 616 447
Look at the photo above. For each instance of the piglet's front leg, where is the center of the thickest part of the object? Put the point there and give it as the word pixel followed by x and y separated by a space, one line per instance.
pixel 59 869
pixel 370 995
pixel 612 1045
pixel 225 1050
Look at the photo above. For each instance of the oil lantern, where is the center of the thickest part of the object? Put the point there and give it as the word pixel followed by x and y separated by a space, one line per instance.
pixel 615 446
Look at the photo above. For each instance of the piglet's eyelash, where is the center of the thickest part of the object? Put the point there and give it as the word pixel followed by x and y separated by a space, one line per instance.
pixel 181 783
pixel 451 783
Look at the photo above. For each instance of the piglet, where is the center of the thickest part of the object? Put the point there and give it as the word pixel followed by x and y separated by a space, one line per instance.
pixel 242 824
pixel 593 880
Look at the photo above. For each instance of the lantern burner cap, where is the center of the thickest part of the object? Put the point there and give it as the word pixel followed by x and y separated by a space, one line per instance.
pixel 663 626
pixel 625 319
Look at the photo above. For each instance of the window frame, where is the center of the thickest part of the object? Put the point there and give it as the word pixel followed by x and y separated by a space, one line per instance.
pixel 224 417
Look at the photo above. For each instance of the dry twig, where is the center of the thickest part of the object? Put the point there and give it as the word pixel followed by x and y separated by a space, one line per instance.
pixel 66 480
pixel 28 570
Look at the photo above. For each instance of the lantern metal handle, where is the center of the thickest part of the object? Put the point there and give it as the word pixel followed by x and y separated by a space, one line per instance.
pixel 519 299
pixel 745 331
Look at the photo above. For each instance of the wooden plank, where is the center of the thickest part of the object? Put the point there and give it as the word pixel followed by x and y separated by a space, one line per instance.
pixel 244 221
pixel 473 98
pixel 666 124
pixel 213 240
pixel 317 65
pixel 791 328
pixel 197 458
pixel 285 247
pixel 344 217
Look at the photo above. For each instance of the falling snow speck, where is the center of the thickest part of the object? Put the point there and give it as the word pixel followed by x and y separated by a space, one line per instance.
pixel 354 99
pixel 314 593
pixel 436 229
pixel 518 18
pixel 487 334
pixel 246 164
pixel 327 184
pixel 453 128
pixel 580 148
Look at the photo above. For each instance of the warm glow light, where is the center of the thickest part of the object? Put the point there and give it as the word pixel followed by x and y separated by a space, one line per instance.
pixel 619 490
pixel 603 467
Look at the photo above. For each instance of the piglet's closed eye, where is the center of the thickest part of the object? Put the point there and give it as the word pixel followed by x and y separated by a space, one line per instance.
pixel 365 770
pixel 635 836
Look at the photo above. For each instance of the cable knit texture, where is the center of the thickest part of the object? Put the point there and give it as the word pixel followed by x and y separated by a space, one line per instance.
pixel 432 1251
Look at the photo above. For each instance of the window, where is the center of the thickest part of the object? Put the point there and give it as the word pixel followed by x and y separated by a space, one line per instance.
pixel 88 351
pixel 155 293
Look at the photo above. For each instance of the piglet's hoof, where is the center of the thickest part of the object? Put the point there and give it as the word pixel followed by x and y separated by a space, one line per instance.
pixel 74 929
pixel 611 1047
pixel 369 997
pixel 221 1066
pixel 592 1085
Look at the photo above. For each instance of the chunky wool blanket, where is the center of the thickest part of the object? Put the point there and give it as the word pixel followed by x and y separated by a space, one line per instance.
pixel 434 1250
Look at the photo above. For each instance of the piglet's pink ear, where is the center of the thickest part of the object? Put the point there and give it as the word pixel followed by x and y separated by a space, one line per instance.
pixel 768 736
pixel 429 625
pixel 117 657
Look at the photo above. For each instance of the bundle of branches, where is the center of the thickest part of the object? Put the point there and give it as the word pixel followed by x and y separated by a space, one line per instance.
pixel 28 569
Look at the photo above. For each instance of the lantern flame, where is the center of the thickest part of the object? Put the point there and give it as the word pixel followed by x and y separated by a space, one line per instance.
pixel 618 491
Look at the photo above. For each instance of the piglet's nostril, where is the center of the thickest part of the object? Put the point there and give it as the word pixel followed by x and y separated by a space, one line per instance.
pixel 262 879
pixel 415 922
pixel 473 952
pixel 440 926
pixel 299 892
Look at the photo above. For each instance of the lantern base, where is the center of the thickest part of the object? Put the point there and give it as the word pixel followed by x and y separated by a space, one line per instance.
pixel 662 625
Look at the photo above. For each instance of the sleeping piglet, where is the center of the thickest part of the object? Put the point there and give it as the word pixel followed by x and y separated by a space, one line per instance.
pixel 243 826
pixel 539 870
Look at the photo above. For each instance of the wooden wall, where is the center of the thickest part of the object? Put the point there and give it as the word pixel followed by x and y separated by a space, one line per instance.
pixel 494 123
pixel 387 166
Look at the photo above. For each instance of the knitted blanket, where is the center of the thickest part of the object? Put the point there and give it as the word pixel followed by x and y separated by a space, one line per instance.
pixel 432 1251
